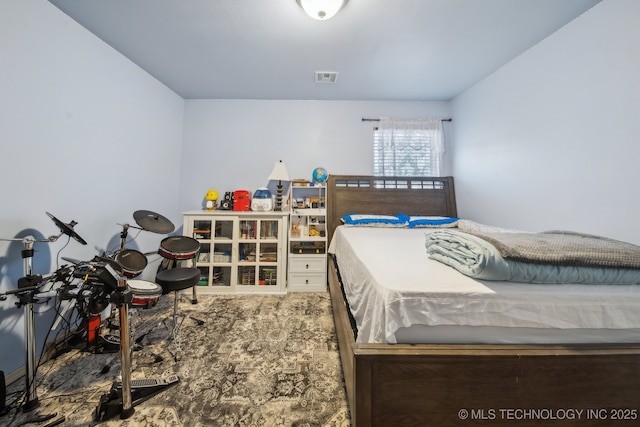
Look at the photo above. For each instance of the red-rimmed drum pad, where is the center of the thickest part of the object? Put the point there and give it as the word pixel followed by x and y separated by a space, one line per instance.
pixel 132 262
pixel 179 247
pixel 145 294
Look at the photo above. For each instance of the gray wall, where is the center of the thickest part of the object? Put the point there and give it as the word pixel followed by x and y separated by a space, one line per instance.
pixel 85 135
pixel 550 141
pixel 233 144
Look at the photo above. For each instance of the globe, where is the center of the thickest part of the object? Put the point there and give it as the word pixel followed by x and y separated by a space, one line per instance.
pixel 320 175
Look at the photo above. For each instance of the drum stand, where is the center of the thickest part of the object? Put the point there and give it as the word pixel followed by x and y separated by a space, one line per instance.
pixel 27 288
pixel 124 395
pixel 29 330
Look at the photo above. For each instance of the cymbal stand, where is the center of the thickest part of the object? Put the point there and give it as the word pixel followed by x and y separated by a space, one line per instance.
pixel 123 236
pixel 29 331
pixel 27 288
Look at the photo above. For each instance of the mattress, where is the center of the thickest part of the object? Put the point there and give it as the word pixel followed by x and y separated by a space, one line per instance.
pixel 397 294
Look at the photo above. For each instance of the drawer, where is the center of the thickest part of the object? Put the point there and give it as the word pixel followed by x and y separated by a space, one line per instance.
pixel 302 280
pixel 307 264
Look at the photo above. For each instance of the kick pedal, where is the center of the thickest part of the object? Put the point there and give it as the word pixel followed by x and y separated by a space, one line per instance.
pixel 141 390
pixel 146 383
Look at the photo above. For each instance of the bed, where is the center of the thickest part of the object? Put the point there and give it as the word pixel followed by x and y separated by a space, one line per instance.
pixel 442 383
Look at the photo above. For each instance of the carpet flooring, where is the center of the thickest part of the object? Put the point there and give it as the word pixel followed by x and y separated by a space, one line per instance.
pixel 252 360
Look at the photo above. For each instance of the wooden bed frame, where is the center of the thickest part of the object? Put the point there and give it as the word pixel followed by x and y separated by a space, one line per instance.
pixel 444 385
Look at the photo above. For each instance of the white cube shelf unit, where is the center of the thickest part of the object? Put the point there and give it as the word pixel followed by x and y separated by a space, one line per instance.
pixel 240 251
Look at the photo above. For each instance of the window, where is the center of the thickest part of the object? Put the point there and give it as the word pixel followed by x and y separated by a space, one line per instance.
pixel 408 147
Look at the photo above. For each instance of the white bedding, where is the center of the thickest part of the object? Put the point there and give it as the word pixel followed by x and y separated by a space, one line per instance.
pixel 392 285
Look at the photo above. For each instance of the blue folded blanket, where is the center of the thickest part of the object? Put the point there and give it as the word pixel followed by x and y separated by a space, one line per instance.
pixel 556 257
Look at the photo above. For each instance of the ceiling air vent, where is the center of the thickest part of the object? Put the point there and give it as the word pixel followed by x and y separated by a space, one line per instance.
pixel 326 76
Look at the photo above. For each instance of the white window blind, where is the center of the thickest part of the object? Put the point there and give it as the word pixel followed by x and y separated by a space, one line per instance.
pixel 408 147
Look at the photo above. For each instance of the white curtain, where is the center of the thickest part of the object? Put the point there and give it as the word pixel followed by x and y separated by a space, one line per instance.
pixel 408 147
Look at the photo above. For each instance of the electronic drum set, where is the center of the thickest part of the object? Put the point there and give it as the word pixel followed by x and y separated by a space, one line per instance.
pixel 108 280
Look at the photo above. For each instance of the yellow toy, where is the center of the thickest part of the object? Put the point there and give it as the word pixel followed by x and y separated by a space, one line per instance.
pixel 211 200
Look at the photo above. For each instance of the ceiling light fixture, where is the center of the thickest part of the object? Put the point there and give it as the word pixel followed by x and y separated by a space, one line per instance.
pixel 321 9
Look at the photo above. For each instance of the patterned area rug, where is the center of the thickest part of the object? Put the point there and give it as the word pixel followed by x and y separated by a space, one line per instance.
pixel 258 360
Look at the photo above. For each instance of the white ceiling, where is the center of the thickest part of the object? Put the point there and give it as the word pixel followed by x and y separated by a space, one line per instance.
pixel 426 50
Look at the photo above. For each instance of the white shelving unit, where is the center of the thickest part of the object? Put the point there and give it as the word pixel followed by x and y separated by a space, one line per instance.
pixel 308 239
pixel 240 251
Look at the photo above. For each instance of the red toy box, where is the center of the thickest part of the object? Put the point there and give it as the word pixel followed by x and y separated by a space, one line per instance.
pixel 241 200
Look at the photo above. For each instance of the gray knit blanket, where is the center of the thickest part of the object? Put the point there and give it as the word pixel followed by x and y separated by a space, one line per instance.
pixel 564 248
pixel 551 257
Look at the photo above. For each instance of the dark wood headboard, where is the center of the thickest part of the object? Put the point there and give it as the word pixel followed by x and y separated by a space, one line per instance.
pixel 388 196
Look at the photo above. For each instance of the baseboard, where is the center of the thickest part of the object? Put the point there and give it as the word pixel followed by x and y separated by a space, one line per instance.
pixel 14 376
pixel 54 348
pixel 51 350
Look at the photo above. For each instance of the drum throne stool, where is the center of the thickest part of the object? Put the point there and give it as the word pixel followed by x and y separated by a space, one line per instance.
pixel 180 275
